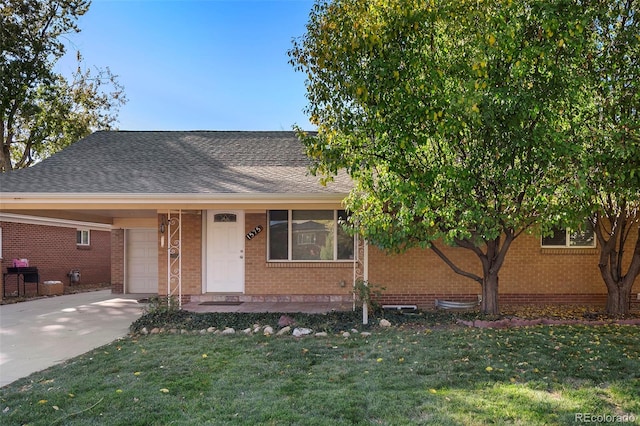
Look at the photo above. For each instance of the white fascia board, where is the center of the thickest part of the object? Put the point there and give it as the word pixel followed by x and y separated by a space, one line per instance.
pixel 72 200
pixel 48 221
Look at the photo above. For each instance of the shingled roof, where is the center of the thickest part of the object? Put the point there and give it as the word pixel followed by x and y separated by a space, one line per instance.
pixel 175 162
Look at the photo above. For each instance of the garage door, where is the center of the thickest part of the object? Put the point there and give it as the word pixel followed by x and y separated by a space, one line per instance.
pixel 142 261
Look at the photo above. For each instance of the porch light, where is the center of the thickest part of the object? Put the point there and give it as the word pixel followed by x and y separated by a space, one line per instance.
pixel 163 226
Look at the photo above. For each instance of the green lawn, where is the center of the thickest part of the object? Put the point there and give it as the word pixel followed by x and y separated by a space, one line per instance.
pixel 449 375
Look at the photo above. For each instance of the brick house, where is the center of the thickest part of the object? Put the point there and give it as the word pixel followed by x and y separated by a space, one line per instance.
pixel 236 216
pixel 55 247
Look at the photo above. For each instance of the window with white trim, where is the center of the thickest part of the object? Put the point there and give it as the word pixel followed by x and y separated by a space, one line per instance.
pixel 570 238
pixel 83 237
pixel 308 235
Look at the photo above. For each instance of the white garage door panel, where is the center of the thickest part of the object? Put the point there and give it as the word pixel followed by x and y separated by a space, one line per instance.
pixel 142 261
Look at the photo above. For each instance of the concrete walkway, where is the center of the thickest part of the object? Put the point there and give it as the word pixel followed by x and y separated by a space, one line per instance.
pixel 37 334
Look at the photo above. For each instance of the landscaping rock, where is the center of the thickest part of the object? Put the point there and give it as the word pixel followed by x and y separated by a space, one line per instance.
pixel 285 320
pixel 298 332
pixel 228 330
pixel 384 323
pixel 268 331
pixel 211 329
pixel 155 330
pixel 144 331
pixel 321 334
pixel 365 334
pixel 247 331
pixel 283 331
pixel 346 334
pixel 354 331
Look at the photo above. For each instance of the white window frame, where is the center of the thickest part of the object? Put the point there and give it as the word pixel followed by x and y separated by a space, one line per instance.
pixel 567 242
pixel 290 240
pixel 82 232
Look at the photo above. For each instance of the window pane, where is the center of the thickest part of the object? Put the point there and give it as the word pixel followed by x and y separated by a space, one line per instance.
pixel 312 235
pixel 582 238
pixel 345 242
pixel 224 217
pixel 278 235
pixel 82 237
pixel 558 238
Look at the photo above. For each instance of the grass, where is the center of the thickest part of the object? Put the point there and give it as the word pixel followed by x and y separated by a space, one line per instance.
pixel 406 375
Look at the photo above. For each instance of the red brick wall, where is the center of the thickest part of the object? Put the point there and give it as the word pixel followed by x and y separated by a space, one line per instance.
pixel 530 274
pixel 117 261
pixel 53 250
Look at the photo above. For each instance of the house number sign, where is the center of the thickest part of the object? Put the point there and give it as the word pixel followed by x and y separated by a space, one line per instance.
pixel 255 231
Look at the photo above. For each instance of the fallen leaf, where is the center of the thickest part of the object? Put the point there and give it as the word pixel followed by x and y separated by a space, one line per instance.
pixel 489 369
pixel 42 401
pixel 164 390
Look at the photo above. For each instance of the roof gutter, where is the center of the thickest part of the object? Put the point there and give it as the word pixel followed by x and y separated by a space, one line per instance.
pixel 151 200
pixel 46 221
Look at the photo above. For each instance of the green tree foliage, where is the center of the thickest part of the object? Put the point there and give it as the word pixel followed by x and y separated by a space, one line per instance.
pixel 608 185
pixel 450 116
pixel 41 111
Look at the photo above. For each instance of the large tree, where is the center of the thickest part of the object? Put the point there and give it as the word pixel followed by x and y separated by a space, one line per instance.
pixel 42 111
pixel 608 184
pixel 450 117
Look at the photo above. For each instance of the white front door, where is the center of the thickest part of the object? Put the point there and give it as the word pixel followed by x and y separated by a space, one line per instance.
pixel 225 251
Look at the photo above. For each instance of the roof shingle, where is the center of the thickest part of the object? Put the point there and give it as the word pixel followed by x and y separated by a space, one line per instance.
pixel 180 162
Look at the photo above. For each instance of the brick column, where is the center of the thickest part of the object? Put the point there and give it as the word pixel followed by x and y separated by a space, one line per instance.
pixel 117 261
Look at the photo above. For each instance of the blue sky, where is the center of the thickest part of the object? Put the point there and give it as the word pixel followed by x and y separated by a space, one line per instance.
pixel 198 64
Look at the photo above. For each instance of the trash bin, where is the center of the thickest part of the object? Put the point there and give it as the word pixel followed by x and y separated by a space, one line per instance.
pixel 74 276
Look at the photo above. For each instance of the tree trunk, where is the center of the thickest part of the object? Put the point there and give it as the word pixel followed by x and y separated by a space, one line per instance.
pixel 489 305
pixel 491 262
pixel 619 297
pixel 5 159
pixel 612 246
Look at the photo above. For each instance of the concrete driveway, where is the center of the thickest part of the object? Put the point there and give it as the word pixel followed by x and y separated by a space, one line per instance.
pixel 37 334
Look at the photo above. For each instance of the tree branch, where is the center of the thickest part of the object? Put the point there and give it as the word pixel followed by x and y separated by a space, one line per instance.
pixel 453 266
